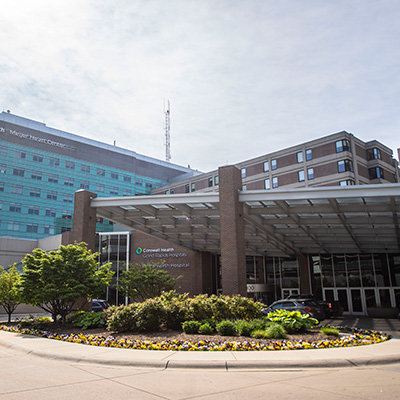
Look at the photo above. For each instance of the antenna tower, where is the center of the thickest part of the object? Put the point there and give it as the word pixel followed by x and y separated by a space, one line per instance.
pixel 167 113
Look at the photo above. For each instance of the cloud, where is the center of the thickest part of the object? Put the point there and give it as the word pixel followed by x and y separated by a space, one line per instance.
pixel 243 78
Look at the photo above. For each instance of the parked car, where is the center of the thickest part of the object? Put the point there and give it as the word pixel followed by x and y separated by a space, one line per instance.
pixel 99 305
pixel 305 306
pixel 331 308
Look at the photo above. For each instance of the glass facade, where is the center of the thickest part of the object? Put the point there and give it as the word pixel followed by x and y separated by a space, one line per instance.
pixel 45 182
pixel 114 247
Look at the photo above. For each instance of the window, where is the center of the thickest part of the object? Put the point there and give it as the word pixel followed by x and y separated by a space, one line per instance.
pixel 347 182
pixel 66 214
pixel 192 187
pixel 301 175
pixel 274 164
pixel 20 154
pixel 51 195
pixel 149 185
pixel 299 156
pixel 210 182
pixel 13 226
pixel 101 172
pixel 99 220
pixel 267 184
pixel 34 192
pixel 243 171
pixel 69 181
pixel 244 188
pixel 114 175
pixel 343 145
pixel 310 173
pixel 114 190
pixel 345 165
pixel 15 207
pixel 4 151
pixel 127 192
pixel 36 175
pixel 67 198
pixel 18 172
pixel 266 166
pixel 54 162
pixel 172 191
pixel 187 188
pixel 32 228
pixel 85 169
pixel 100 188
pixel 216 180
pixel 127 179
pixel 3 168
pixel 84 185
pixel 50 212
pixel 37 158
pixel 53 178
pixel 69 165
pixel 374 154
pixel 48 230
pixel 33 210
pixel 275 182
pixel 1 186
pixel 309 154
pixel 376 173
pixel 65 229
pixel 17 189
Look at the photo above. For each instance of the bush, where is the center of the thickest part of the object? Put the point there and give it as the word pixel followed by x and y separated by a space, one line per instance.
pixel 206 329
pixel 226 328
pixel 191 327
pixel 88 319
pixel 327 330
pixel 122 318
pixel 150 316
pixel 292 321
pixel 243 328
pixel 275 331
pixel 174 305
pixel 35 323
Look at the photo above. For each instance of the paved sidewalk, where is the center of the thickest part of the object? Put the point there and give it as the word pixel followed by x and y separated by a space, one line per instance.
pixel 381 353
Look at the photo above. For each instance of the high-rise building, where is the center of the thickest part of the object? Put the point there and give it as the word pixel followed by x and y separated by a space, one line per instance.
pixel 42 167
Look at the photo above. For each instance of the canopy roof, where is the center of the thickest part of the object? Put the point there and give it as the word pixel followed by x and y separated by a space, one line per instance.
pixel 352 219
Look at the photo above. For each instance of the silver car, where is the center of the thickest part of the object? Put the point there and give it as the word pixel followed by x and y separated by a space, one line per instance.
pixel 305 306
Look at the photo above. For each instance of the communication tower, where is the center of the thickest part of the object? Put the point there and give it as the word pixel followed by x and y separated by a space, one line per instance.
pixel 167 113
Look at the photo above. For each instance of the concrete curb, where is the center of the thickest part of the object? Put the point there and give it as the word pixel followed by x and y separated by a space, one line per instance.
pixel 360 356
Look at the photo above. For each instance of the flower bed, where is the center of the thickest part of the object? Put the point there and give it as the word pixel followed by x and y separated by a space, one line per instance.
pixel 353 337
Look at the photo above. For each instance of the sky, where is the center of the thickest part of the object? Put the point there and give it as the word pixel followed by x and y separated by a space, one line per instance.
pixel 243 77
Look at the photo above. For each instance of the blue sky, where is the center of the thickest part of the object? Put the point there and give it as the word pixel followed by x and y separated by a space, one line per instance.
pixel 244 78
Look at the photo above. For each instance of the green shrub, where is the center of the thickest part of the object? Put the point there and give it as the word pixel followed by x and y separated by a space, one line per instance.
pixel 327 330
pixel 226 328
pixel 206 329
pixel 211 322
pixel 258 334
pixel 243 328
pixel 122 318
pixel 292 321
pixel 88 319
pixel 275 331
pixel 174 305
pixel 191 327
pixel 150 316
pixel 35 323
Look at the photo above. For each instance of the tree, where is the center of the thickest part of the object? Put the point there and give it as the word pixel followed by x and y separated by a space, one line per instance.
pixel 142 282
pixel 55 280
pixel 9 290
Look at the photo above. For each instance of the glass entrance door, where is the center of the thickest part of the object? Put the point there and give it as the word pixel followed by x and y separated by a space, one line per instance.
pixel 352 300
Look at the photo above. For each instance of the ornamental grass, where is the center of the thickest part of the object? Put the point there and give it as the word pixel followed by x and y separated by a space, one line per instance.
pixel 354 337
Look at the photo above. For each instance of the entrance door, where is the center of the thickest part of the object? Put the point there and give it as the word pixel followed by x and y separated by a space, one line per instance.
pixel 351 299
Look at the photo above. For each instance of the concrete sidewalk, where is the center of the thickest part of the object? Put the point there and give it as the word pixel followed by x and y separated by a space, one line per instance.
pixel 381 353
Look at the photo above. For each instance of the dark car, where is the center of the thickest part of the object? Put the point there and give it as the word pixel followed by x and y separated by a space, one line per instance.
pixel 331 308
pixel 305 306
pixel 99 305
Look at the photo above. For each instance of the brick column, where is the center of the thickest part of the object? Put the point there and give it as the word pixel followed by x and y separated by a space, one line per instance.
pixel 233 256
pixel 84 223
